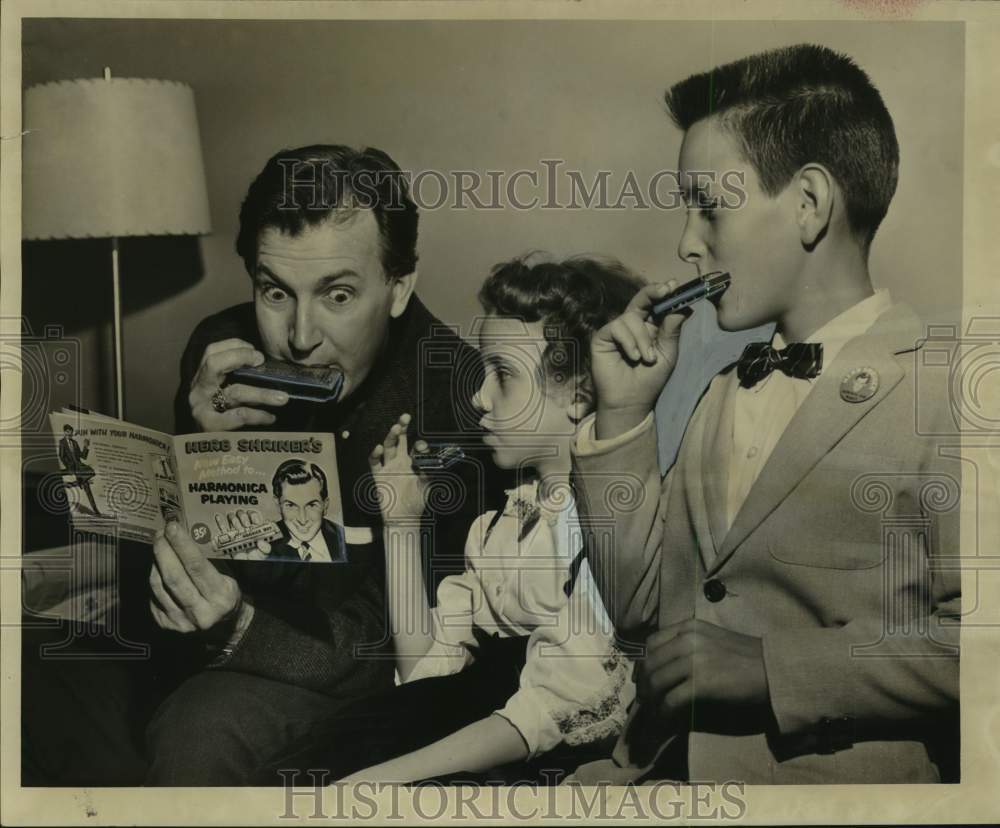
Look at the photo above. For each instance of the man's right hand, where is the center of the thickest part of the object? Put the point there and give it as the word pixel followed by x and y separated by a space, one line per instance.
pixel 244 400
pixel 189 594
pixel 632 359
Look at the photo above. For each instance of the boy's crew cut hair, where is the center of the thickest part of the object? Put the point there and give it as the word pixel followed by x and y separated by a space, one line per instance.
pixel 797 105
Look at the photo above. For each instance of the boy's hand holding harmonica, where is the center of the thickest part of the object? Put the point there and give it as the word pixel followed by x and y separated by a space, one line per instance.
pixel 632 359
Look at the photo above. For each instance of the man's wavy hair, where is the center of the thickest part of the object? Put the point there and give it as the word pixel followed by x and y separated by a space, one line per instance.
pixel 295 472
pixel 303 187
pixel 796 105
pixel 571 298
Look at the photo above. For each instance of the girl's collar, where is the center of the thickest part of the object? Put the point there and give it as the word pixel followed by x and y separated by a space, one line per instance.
pixel 524 504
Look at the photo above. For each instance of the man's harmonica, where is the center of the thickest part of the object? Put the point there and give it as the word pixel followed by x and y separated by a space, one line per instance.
pixel 315 383
pixel 704 287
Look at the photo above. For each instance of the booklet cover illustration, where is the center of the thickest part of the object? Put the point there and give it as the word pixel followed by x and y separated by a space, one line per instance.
pixel 263 495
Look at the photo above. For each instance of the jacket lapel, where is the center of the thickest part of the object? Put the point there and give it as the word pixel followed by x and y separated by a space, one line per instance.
pixel 823 420
pixel 694 470
pixel 717 452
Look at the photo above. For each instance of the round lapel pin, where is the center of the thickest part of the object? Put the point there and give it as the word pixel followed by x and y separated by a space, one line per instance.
pixel 859 385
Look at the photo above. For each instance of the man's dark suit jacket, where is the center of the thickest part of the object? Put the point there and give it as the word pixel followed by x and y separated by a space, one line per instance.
pixel 72 457
pixel 333 534
pixel 309 619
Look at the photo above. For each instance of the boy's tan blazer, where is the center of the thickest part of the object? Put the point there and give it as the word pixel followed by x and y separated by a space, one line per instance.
pixel 833 561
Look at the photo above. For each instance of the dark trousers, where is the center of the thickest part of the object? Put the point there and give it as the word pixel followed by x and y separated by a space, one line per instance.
pixel 218 727
pixel 82 711
pixel 403 719
pixel 91 718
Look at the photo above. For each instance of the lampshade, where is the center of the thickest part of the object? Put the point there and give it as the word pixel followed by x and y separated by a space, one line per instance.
pixel 112 157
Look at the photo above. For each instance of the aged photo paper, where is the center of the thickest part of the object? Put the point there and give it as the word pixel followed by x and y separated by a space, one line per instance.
pixel 144 685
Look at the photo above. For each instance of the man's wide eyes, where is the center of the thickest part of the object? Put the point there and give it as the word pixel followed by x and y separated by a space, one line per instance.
pixel 273 293
pixel 339 295
pixel 335 295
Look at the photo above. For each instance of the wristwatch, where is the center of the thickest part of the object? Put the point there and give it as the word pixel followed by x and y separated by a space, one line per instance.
pixel 243 618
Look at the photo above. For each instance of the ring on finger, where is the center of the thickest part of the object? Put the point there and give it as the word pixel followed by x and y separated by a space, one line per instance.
pixel 219 401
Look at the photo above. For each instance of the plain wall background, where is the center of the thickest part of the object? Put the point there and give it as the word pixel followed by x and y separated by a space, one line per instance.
pixel 468 95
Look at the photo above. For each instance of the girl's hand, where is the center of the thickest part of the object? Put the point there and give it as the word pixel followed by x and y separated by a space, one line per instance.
pixel 401 491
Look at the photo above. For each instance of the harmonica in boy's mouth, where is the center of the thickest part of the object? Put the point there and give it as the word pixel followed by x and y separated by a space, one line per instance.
pixel 704 287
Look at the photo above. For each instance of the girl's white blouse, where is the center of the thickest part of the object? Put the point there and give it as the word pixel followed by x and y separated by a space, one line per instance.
pixel 575 685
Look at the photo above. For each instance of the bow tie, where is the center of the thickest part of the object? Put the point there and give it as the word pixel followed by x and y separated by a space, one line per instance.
pixel 801 360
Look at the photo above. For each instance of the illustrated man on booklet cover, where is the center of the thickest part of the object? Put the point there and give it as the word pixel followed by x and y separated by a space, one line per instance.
pixel 303 497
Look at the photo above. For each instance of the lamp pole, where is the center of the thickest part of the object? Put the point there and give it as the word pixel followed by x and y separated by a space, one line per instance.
pixel 116 283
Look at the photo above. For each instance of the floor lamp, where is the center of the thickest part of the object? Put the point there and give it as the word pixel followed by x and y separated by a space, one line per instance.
pixel 108 158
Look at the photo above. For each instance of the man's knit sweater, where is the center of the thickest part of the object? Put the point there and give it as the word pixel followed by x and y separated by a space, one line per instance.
pixel 310 619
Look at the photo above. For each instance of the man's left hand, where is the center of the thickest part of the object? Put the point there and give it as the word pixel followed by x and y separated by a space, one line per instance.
pixel 694 663
pixel 189 593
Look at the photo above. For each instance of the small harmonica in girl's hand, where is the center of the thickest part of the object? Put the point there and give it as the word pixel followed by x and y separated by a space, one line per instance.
pixel 704 287
pixel 437 457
